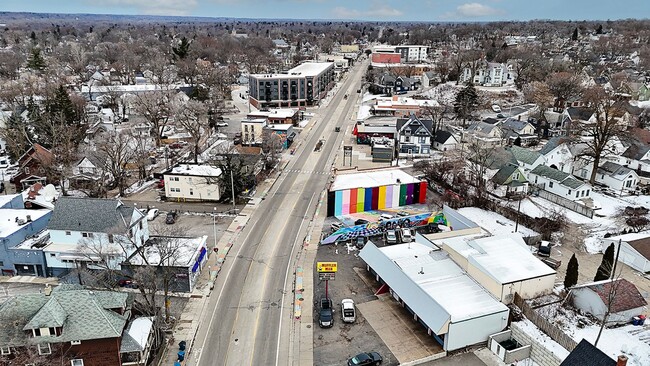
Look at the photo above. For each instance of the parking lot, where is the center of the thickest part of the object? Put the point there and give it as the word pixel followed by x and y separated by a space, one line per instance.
pixel 380 320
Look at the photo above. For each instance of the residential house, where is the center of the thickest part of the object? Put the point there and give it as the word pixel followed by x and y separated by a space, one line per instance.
pixel 20 235
pixel 586 354
pixel 557 122
pixel 502 175
pixel 644 92
pixel 619 295
pixel 414 136
pixel 430 78
pixel 579 116
pixel 67 323
pixel 621 180
pixel 488 74
pixel 526 159
pixel 32 167
pixel 520 133
pixel 559 183
pixel 192 182
pixel 252 131
pixel 637 157
pixel 92 233
pixel 389 83
pixel 87 173
pixel 444 140
pixel 634 251
pixel 559 154
pixel 484 134
pixel 180 269
pixel 137 340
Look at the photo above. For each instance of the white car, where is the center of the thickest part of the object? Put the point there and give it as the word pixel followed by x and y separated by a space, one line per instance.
pixel 496 108
pixel 222 124
pixel 152 213
pixel 348 312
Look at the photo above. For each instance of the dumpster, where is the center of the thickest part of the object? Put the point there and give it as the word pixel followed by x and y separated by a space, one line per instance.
pixel 636 320
pixel 642 319
pixel 181 345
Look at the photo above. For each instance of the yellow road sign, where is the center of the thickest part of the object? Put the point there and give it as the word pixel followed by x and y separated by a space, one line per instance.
pixel 326 267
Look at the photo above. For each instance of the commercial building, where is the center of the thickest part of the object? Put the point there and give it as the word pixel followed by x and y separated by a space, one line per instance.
pixel 408 53
pixel 276 115
pixel 373 190
pixel 252 131
pixel 192 182
pixel 304 85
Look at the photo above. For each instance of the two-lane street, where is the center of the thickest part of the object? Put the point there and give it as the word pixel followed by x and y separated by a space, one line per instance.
pixel 247 320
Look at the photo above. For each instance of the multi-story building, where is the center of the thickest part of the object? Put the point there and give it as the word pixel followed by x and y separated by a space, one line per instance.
pixel 408 53
pixel 304 85
pixel 251 131
pixel 193 182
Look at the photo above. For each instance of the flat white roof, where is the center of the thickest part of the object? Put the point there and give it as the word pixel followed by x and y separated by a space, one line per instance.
pixel 8 216
pixel 195 170
pixel 280 126
pixel 4 199
pixel 185 250
pixel 505 258
pixel 431 283
pixel 310 68
pixel 629 237
pixel 371 179
pixel 390 102
pixel 131 88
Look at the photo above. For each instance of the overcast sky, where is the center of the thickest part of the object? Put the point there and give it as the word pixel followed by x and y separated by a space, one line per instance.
pixel 418 10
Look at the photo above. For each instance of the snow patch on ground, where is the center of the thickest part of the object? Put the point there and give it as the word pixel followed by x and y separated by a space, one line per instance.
pixel 139 186
pixel 529 328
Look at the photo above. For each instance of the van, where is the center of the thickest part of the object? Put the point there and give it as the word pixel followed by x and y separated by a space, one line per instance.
pixel 385 217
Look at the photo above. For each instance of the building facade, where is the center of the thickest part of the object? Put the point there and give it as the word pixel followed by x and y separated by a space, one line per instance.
pixel 192 182
pixel 304 85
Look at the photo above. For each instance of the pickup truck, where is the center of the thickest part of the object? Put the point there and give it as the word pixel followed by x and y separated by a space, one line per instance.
pixel 326 314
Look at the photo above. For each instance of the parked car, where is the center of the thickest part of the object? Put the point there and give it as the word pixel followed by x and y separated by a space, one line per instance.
pixel 366 358
pixel 348 312
pixel 152 214
pixel 385 217
pixel 496 108
pixel 391 237
pixel 326 314
pixel 171 217
pixel 360 242
pixel 403 213
pixel 405 235
pixel 360 222
pixel 222 124
pixel 125 282
pixel 336 226
pixel 544 249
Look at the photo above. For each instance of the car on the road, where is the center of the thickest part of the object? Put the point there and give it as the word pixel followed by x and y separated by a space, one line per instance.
pixel 391 237
pixel 496 108
pixel 222 124
pixel 171 217
pixel 152 214
pixel 348 312
pixel 326 313
pixel 366 358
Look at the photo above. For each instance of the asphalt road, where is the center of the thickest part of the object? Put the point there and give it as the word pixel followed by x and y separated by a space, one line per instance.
pixel 248 317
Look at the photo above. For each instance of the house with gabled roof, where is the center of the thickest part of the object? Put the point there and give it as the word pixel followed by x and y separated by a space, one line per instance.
pixel 502 173
pixel 621 180
pixel 69 322
pixel 559 183
pixel 637 157
pixel 32 167
pixel 634 251
pixel 414 136
pixel 485 134
pixel 594 298
pixel 526 158
pixel 521 133
pixel 93 233
pixel 444 140
pixel 586 354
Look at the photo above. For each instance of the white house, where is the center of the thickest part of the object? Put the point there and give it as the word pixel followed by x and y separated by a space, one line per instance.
pixel 637 157
pixel 503 265
pixel 453 307
pixel 488 74
pixel 522 131
pixel 635 250
pixel 444 141
pixel 484 134
pixel 194 182
pixel 414 136
pixel 252 131
pixel 526 158
pixel 93 233
pixel 558 182
pixel 618 178
pixel 622 297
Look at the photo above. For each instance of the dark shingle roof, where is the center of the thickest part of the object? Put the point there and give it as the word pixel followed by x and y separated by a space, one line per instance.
pixel 499 158
pixel 642 246
pixel 580 113
pixel 503 174
pixel 636 151
pixel 552 144
pixel 91 215
pixel 563 178
pixel 614 170
pixel 524 155
pixel 415 125
pixel 442 136
pixel 586 354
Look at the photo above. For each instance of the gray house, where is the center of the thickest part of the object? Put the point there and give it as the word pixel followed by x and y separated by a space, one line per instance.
pixel 414 136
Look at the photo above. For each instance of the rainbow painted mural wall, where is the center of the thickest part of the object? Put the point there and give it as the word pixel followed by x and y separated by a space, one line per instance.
pixel 355 200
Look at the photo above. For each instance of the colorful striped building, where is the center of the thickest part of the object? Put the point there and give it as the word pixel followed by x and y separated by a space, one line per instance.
pixel 374 190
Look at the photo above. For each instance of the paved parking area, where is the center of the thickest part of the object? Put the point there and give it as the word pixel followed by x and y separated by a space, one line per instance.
pixel 405 337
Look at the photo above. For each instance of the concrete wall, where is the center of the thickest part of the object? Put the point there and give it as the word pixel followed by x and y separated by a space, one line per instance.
pixel 538 353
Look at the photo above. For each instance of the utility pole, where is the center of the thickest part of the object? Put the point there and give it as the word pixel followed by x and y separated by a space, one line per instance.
pixel 518 213
pixel 618 251
pixel 214 225
pixel 232 189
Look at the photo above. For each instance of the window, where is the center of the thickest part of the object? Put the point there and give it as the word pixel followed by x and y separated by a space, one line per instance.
pixel 577 193
pixel 587 193
pixel 87 235
pixel 5 350
pixel 140 225
pixel 36 332
pixel 68 233
pixel 570 193
pixel 52 331
pixel 75 343
pixel 77 361
pixel 422 139
pixel 191 192
pixel 550 184
pixel 110 238
pixel 52 254
pixel 44 349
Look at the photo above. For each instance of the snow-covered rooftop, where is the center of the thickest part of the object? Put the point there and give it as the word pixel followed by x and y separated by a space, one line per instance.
pixel 139 331
pixel 310 68
pixel 184 251
pixel 279 126
pixel 9 219
pixel 505 258
pixel 371 179
pixel 195 170
pixel 431 283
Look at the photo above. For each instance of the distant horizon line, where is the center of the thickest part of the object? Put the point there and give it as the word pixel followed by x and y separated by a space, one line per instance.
pixel 337 20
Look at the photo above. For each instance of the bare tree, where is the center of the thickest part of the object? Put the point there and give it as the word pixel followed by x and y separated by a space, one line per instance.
pixel 193 116
pixel 565 85
pixel 480 158
pixel 611 297
pixel 156 109
pixel 601 134
pixel 115 151
pixel 539 93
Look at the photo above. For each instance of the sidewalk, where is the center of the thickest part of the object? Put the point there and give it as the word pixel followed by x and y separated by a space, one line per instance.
pixel 188 324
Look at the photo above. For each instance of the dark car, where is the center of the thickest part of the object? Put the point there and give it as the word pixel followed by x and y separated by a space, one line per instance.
pixel 361 222
pixel 326 314
pixel 171 217
pixel 367 358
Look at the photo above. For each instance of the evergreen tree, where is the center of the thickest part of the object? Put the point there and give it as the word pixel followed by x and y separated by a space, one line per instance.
pixel 599 30
pixel 574 37
pixel 605 269
pixel 571 277
pixel 466 103
pixel 36 61
pixel 183 48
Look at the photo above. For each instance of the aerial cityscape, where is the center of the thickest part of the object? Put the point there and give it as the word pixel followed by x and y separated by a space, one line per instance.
pixel 298 182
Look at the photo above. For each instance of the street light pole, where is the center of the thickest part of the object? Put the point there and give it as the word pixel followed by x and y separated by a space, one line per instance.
pixel 214 225
pixel 232 189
